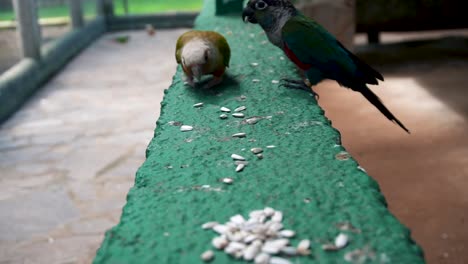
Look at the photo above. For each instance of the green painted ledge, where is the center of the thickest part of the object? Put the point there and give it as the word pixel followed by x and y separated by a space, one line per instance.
pixel 304 176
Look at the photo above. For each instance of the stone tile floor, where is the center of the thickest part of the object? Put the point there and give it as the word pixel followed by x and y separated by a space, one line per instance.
pixel 69 156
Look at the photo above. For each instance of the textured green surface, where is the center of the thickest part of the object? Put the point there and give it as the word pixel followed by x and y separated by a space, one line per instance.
pixel 302 176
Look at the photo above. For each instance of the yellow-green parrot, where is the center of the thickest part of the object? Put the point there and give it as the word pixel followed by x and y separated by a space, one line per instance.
pixel 314 50
pixel 202 53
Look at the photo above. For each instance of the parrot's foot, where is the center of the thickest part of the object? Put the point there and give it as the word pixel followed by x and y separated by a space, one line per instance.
pixel 189 81
pixel 299 85
pixel 215 81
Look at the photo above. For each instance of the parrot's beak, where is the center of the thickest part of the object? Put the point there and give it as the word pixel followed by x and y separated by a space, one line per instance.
pixel 197 72
pixel 248 15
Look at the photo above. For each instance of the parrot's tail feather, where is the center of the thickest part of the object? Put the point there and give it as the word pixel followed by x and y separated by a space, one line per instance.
pixel 375 100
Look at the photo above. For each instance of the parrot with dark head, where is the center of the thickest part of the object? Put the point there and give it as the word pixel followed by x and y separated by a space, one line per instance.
pixel 314 50
pixel 202 53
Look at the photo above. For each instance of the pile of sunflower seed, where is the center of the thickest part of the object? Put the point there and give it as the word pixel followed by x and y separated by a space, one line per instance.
pixel 261 238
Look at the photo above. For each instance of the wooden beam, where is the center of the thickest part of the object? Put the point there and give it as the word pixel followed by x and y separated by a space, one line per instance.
pixel 76 13
pixel 28 28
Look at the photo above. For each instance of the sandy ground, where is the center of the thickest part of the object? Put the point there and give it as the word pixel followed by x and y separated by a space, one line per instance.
pixel 106 102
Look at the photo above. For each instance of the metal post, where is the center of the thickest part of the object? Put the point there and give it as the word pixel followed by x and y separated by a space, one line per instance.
pixel 28 28
pixel 76 13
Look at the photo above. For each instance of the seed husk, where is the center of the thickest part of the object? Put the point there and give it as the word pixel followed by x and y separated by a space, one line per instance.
pixel 240 167
pixel 240 108
pixel 237 157
pixel 223 116
pixel 238 115
pixel 239 135
pixel 256 150
pixel 225 109
pixel 198 105
pixel 207 256
pixel 186 128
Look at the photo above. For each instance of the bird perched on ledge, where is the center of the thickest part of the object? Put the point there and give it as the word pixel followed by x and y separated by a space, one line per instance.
pixel 202 53
pixel 314 50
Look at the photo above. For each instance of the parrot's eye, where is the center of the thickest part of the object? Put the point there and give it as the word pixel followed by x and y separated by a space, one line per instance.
pixel 260 5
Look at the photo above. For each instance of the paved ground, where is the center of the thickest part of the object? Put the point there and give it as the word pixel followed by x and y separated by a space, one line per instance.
pixel 68 158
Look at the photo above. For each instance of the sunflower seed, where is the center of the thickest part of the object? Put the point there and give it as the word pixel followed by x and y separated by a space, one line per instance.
pixel 185 128
pixel 290 251
pixel 219 242
pixel 252 120
pixel 227 180
pixel 274 246
pixel 268 210
pixel 274 81
pixel 235 246
pixel 198 105
pixel 240 167
pixel 251 252
pixel 341 241
pixel 237 157
pixel 239 135
pixel 209 225
pixel 220 229
pixel 329 247
pixel 303 245
pixel 207 256
pixel 238 115
pixel 287 233
pixel 223 116
pixel 240 109
pixel 262 258
pixel 256 150
pixel 250 238
pixel 260 156
pixel 255 80
pixel 238 219
pixel 277 216
pixel 278 260
pixel 225 109
pixel 254 64
pixel 271 146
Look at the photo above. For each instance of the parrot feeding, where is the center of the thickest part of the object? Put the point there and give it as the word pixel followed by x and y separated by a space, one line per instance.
pixel 314 50
pixel 202 53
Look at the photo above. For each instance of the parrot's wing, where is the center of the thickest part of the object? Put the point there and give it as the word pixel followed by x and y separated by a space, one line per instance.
pixel 223 47
pixel 314 45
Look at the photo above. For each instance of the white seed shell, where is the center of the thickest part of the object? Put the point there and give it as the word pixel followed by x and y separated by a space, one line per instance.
pixel 239 135
pixel 260 156
pixel 271 146
pixel 287 233
pixel 262 258
pixel 238 115
pixel 237 219
pixel 228 180
pixel 223 116
pixel 290 251
pixel 341 241
pixel 185 128
pixel 225 109
pixel 278 260
pixel 237 157
pixel 256 150
pixel 277 216
pixel 209 225
pixel 220 229
pixel 251 252
pixel 207 256
pixel 219 242
pixel 198 105
pixel 255 80
pixel 240 167
pixel 275 81
pixel 240 108
pixel 303 245
pixel 268 210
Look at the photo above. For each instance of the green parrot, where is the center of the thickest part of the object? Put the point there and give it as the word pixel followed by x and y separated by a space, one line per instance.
pixel 201 53
pixel 314 50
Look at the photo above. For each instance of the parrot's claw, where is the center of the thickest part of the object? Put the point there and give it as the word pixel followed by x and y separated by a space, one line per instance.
pixel 299 85
pixel 213 82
